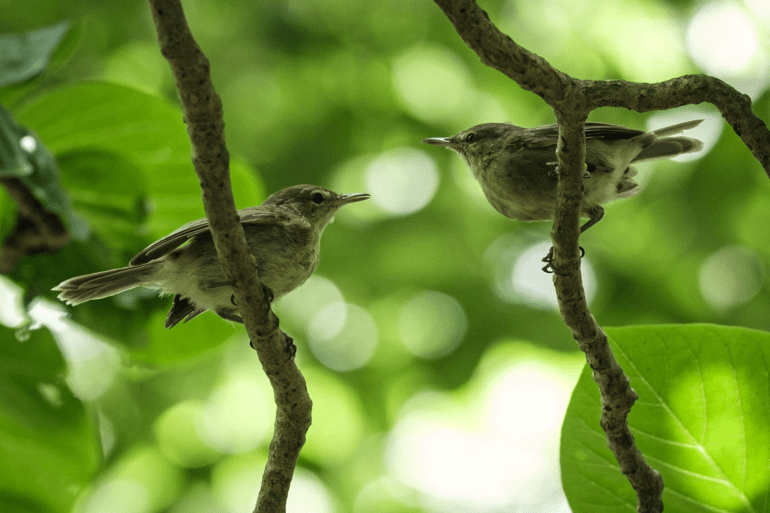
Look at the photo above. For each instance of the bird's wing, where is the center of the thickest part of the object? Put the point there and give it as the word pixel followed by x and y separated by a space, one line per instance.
pixel 170 242
pixel 610 132
pixel 548 135
pixel 537 137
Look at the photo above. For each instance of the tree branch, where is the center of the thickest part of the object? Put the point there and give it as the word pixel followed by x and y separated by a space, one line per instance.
pixel 559 90
pixel 617 396
pixel 572 100
pixel 37 230
pixel 202 111
pixel 734 106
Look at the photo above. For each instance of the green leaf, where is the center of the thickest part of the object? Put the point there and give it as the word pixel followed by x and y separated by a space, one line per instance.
pixel 114 202
pixel 139 128
pixel 48 445
pixel 701 420
pixel 24 156
pixel 22 56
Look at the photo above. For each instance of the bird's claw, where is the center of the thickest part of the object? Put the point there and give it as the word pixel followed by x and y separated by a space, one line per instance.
pixel 549 267
pixel 291 347
pixel 553 172
pixel 268 294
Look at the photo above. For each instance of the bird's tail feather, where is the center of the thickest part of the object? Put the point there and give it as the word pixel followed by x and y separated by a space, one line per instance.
pixel 106 283
pixel 666 147
pixel 677 129
pixel 669 147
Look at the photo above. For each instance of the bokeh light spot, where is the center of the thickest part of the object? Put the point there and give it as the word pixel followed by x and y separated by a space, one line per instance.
pixel 303 303
pixel 309 494
pixel 731 276
pixel 343 336
pixel 12 314
pixel 723 41
pixel 236 416
pixel 338 419
pixel 118 496
pixel 722 38
pixel 177 436
pixel 496 451
pixel 28 143
pixel 402 181
pixel 141 481
pixel 235 481
pixel 432 324
pixel 91 363
pixel 432 82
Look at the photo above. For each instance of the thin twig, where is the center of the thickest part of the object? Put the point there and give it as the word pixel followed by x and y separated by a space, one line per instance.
pixel 202 111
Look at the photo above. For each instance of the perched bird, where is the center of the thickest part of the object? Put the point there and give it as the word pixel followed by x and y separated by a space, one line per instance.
pixel 517 168
pixel 283 233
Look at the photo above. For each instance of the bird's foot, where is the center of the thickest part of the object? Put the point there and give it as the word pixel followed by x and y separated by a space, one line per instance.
pixel 553 169
pixel 549 267
pixel 291 347
pixel 268 294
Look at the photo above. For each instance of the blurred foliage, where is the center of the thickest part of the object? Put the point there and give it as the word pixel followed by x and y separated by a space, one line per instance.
pixel 49 444
pixel 423 293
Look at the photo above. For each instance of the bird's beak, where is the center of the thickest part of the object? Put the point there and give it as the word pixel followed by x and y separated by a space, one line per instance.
pixel 354 197
pixel 439 141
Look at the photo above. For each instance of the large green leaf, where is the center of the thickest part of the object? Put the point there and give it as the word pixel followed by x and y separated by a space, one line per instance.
pixel 701 420
pixel 49 449
pixel 140 128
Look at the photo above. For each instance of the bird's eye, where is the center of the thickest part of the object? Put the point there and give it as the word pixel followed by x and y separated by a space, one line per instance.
pixel 317 198
pixel 470 138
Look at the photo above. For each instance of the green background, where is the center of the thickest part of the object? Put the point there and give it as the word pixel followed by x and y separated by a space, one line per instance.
pixel 434 281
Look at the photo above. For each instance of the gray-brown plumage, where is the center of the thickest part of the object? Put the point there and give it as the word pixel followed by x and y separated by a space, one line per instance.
pixel 283 233
pixel 516 166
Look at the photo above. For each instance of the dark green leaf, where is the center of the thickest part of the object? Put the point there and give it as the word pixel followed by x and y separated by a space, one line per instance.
pixel 24 156
pixel 22 56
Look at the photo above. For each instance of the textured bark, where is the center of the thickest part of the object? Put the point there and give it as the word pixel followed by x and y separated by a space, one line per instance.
pixel 202 110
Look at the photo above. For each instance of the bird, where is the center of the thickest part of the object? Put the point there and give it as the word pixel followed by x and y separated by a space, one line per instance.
pixel 517 168
pixel 283 234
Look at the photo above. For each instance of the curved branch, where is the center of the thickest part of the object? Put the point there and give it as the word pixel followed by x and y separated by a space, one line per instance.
pixel 559 90
pixel 734 106
pixel 202 111
pixel 499 51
